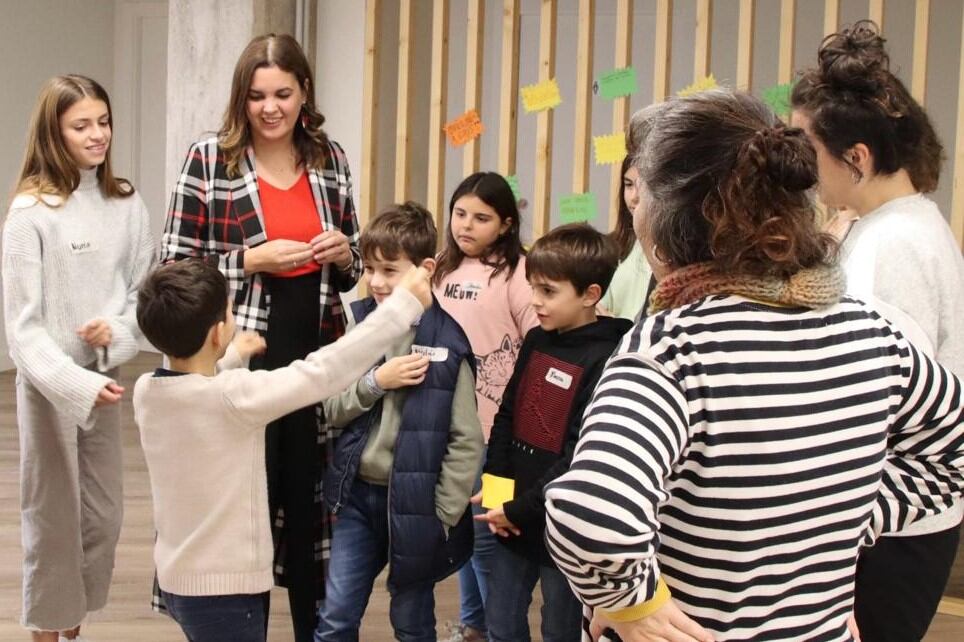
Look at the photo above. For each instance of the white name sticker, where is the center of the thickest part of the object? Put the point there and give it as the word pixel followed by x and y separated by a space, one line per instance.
pixel 433 354
pixel 81 247
pixel 559 378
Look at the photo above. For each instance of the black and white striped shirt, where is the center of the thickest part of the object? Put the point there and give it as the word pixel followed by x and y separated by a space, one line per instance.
pixel 737 450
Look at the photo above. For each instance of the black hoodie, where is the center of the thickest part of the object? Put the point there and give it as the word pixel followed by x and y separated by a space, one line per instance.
pixel 536 429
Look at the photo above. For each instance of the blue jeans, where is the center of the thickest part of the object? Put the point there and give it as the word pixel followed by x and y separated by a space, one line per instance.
pixel 359 552
pixel 218 618
pixel 473 576
pixel 512 579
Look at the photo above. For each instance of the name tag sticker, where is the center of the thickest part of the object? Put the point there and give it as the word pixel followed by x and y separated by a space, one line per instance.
pixel 433 354
pixel 81 247
pixel 559 378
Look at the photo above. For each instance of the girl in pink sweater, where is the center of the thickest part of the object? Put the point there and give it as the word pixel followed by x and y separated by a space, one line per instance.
pixel 481 282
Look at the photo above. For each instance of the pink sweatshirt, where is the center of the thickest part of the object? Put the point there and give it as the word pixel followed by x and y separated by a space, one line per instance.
pixel 495 316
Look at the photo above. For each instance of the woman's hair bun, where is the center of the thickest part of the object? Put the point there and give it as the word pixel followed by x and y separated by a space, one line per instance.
pixel 854 58
pixel 785 155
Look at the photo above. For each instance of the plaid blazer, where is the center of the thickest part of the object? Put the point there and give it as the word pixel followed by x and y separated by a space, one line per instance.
pixel 216 217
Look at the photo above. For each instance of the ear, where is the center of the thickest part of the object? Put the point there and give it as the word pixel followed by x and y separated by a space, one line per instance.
pixel 860 156
pixel 214 335
pixel 506 224
pixel 429 264
pixel 592 295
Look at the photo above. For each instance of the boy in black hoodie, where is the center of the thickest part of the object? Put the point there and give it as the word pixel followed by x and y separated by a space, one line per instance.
pixel 537 426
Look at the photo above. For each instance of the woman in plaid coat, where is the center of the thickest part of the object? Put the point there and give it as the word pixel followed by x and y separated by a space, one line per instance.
pixel 269 202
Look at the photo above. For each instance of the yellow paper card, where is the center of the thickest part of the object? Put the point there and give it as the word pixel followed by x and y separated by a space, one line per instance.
pixel 541 96
pixel 702 84
pixel 610 148
pixel 496 490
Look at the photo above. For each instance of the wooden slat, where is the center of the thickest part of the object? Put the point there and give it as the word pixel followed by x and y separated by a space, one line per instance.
pixel 402 121
pixel 831 16
pixel 547 69
pixel 744 46
pixel 664 49
pixel 951 606
pixel 957 202
pixel 367 188
pixel 875 11
pixel 508 102
pixel 623 58
pixel 581 141
pixel 787 19
pixel 704 24
pixel 474 42
pixel 438 106
pixel 918 78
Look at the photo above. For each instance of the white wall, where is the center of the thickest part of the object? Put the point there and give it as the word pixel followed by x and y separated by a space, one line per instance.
pixel 40 39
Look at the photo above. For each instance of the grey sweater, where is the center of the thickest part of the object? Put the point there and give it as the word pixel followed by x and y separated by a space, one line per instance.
pixel 62 267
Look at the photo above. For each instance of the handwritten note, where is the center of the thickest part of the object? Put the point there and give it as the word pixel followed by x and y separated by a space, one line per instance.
pixel 617 83
pixel 496 490
pixel 702 84
pixel 577 208
pixel 541 96
pixel 777 98
pixel 513 182
pixel 610 148
pixel 466 127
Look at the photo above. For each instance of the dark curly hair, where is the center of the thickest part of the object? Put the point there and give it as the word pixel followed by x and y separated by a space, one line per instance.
pixel 852 97
pixel 728 185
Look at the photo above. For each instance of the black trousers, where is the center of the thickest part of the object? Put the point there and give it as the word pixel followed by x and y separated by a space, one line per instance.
pixel 899 583
pixel 292 453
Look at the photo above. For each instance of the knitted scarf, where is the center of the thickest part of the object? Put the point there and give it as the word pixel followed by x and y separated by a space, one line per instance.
pixel 816 287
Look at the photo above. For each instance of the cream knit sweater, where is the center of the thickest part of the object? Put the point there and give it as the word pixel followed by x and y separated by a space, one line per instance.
pixel 62 267
pixel 203 438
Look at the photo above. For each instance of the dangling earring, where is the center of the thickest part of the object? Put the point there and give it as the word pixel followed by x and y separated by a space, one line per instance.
pixel 304 116
pixel 856 175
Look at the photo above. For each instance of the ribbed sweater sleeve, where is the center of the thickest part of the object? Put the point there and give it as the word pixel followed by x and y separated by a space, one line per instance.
pixel 68 386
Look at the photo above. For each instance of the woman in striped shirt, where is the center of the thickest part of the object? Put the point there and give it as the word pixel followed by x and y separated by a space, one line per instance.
pixel 742 430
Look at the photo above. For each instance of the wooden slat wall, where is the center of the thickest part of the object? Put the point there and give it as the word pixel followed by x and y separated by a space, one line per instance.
pixel 370 78
pixel 547 69
pixel 663 41
pixel 704 28
pixel 744 46
pixel 474 41
pixel 831 16
pixel 582 143
pixel 623 58
pixel 438 106
pixel 509 100
pixel 402 105
pixel 918 77
pixel 788 9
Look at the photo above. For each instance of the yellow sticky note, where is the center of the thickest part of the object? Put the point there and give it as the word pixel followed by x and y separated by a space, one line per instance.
pixel 702 84
pixel 610 148
pixel 541 96
pixel 496 490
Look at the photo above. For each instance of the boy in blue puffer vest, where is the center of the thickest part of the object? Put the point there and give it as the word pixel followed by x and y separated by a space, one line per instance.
pixel 403 468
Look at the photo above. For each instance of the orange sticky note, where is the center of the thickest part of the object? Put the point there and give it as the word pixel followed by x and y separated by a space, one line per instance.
pixel 541 96
pixel 610 148
pixel 461 130
pixel 496 490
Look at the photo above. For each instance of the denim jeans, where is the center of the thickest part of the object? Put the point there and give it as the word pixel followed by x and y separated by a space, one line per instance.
pixel 218 618
pixel 512 578
pixel 359 552
pixel 473 576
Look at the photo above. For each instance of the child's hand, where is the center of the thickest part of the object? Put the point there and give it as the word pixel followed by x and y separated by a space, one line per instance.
pixel 499 524
pixel 476 498
pixel 668 622
pixel 398 372
pixel 108 395
pixel 96 333
pixel 249 343
pixel 417 281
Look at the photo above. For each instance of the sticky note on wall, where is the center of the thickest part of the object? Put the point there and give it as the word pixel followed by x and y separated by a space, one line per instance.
pixel 702 84
pixel 541 96
pixel 461 130
pixel 496 490
pixel 777 98
pixel 577 208
pixel 513 182
pixel 610 148
pixel 618 82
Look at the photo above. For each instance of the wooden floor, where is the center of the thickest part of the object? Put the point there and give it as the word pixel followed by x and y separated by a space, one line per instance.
pixel 128 616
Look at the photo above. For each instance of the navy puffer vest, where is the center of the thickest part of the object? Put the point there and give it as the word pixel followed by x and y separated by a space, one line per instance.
pixel 420 550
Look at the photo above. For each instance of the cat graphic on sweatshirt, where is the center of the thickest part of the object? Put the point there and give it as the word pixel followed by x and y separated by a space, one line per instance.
pixel 495 369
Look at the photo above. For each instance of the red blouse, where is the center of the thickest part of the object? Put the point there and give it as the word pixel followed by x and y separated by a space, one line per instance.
pixel 290 214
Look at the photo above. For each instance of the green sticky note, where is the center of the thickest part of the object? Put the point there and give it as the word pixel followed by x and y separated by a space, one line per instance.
pixel 777 98
pixel 618 82
pixel 513 182
pixel 577 208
